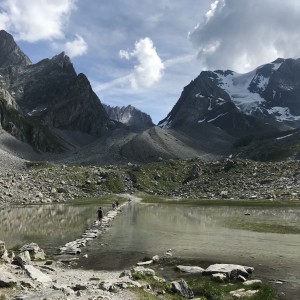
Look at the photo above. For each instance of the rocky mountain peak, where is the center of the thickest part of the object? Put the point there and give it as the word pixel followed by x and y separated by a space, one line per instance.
pixel 129 115
pixel 10 53
pixel 61 59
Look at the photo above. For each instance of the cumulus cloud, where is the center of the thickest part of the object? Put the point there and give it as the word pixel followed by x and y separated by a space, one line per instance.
pixel 149 67
pixel 34 20
pixel 243 34
pixel 77 47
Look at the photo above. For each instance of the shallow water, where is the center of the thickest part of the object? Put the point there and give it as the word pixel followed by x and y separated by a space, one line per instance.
pixel 145 230
pixel 50 226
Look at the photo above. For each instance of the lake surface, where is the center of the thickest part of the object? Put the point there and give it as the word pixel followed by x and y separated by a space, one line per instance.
pixel 144 230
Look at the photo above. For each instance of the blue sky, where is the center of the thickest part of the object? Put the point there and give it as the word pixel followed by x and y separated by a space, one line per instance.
pixel 143 52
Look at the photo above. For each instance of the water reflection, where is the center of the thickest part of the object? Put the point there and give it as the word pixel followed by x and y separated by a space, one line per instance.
pixel 48 225
pixel 146 230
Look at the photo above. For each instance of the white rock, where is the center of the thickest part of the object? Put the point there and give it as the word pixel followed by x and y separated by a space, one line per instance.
pixel 251 282
pixel 36 274
pixel 190 269
pixel 145 263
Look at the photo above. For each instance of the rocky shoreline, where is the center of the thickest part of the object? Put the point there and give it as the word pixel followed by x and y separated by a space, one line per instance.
pixel 28 275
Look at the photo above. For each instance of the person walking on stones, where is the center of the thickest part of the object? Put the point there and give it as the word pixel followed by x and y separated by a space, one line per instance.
pixel 117 203
pixel 100 215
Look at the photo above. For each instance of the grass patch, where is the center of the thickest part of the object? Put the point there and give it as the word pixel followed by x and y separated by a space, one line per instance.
pixel 262 227
pixel 203 289
pixel 39 164
pixel 209 290
pixel 147 198
pixel 97 200
pixel 114 183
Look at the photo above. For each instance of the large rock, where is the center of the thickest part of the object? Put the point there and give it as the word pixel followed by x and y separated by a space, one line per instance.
pixel 7 279
pixel 36 253
pixel 231 271
pixel 36 274
pixel 144 271
pixel 190 269
pixel 22 259
pixel 181 287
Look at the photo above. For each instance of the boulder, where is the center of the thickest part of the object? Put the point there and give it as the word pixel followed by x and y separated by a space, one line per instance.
pixel 22 259
pixel 190 269
pixel 181 287
pixel 144 271
pixel 36 274
pixel 7 279
pixel 36 253
pixel 231 271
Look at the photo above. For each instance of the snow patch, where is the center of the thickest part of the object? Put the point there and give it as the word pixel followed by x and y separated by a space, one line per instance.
pixel 282 114
pixel 283 137
pixel 165 124
pixel 36 111
pixel 217 117
pixel 236 85
pixel 199 95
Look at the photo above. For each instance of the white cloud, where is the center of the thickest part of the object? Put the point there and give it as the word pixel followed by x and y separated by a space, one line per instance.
pixel 149 67
pixel 77 47
pixel 34 20
pixel 243 34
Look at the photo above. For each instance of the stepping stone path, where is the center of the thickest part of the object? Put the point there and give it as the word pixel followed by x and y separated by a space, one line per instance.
pixel 74 247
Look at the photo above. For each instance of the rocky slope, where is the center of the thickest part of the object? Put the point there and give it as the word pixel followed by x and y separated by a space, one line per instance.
pixel 129 116
pixel 228 179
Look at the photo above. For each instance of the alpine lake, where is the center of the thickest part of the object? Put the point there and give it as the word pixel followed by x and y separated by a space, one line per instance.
pixel 264 237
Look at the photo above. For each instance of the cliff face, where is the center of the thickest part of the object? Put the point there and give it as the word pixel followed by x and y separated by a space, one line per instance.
pixel 50 96
pixel 10 53
pixel 129 115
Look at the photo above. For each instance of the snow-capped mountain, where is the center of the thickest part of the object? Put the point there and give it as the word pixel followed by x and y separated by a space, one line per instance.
pixel 242 104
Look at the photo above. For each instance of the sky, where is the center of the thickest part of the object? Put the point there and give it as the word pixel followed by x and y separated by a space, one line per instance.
pixel 143 52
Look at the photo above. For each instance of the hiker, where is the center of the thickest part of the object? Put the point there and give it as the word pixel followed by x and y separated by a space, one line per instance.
pixel 100 214
pixel 117 203
pixel 113 205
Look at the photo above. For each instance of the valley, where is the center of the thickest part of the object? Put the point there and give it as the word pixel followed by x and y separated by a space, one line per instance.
pixel 218 178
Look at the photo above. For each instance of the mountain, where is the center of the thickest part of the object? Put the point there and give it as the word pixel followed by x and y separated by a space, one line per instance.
pixel 10 53
pixel 262 101
pixel 47 104
pixel 129 115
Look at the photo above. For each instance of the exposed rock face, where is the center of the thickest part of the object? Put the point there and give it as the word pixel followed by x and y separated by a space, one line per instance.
pixel 10 53
pixel 129 116
pixel 241 104
pixel 47 103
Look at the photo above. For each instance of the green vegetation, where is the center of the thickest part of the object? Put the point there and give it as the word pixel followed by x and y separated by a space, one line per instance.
pixel 114 183
pixel 105 199
pixel 148 198
pixel 209 290
pixel 204 289
pixel 262 227
pixel 39 164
